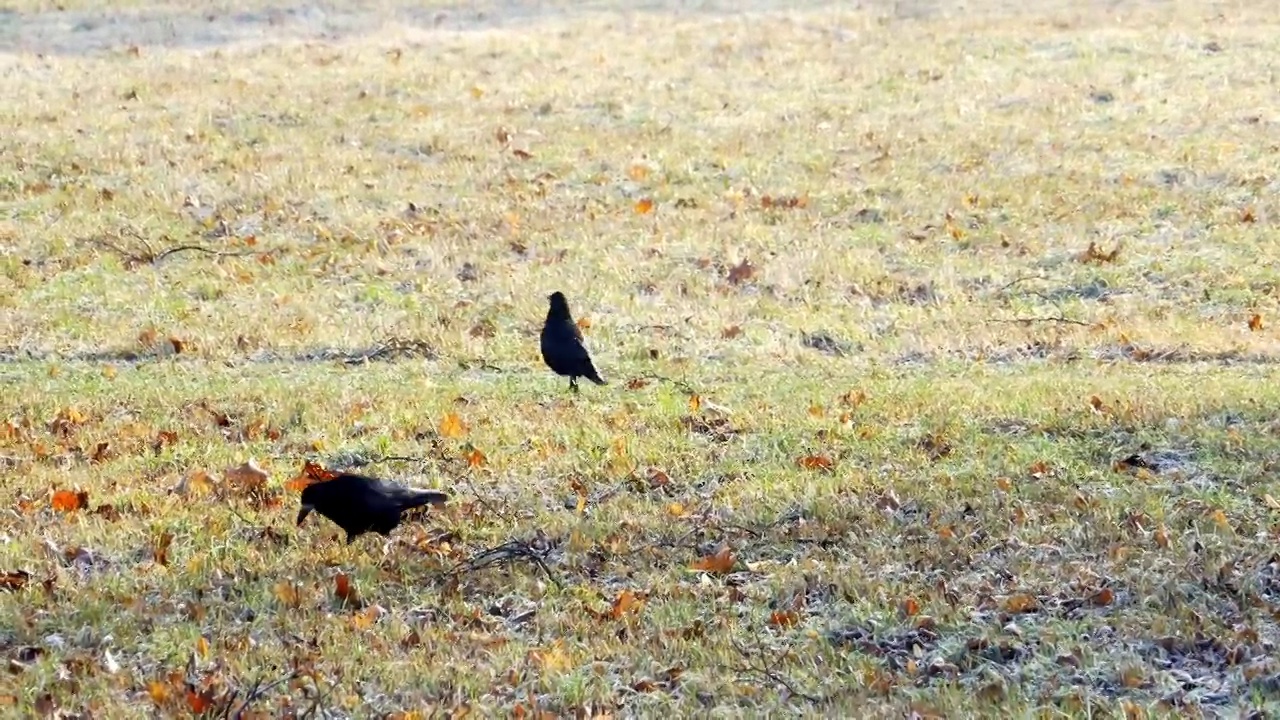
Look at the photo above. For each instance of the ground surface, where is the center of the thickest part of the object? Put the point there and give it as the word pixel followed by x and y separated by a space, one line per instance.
pixel 941 345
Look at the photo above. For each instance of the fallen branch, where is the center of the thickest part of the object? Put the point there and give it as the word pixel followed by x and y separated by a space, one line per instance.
pixel 1030 320
pixel 758 664
pixel 507 552
pixel 148 255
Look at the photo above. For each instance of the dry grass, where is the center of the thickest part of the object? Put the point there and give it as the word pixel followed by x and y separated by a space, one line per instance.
pixel 927 317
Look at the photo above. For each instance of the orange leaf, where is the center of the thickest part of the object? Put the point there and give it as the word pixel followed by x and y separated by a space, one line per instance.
pixel 452 426
pixel 731 332
pixel 644 206
pixel 637 383
pixel 1095 402
pixel 910 607
pixel 675 509
pixel 1161 536
pixel 720 563
pixel 817 411
pixel 625 602
pixel 1021 603
pixel 247 477
pixel 311 473
pixel 695 402
pixel 1102 597
pixel 475 458
pixel 345 590
pixel 158 691
pixel 68 501
pixel 199 702
pixel 584 323
pixel 815 462
pixel 1255 322
pixel 638 172
pixel 784 618
pixel 287 593
pixel 854 398
pixel 1039 469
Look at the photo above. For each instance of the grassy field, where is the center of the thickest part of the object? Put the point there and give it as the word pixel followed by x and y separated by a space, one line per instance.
pixel 942 349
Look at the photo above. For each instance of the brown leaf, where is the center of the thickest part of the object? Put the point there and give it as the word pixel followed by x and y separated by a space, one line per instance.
pixel 784 201
pixel 68 501
pixel 741 272
pixel 287 593
pixel 311 473
pixel 522 153
pixel 695 402
pixel 1039 469
pixel 160 548
pixel 199 702
pixel 816 462
pixel 1094 254
pixel 345 590
pixel 13 580
pixel 719 563
pixel 853 398
pixel 247 477
pixel 1021 603
pixel 1102 598
pixel 910 607
pixel 644 206
pixel 637 383
pixel 817 411
pixel 1255 322
pixel 163 439
pixel 731 332
pixel 784 618
pixel 475 458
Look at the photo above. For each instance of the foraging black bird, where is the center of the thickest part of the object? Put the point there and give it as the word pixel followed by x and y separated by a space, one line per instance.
pixel 562 348
pixel 359 504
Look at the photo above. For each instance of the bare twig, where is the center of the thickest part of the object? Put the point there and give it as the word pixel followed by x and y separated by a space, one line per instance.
pixel 758 664
pixel 682 385
pixel 1030 320
pixel 1016 281
pixel 207 251
pixel 506 552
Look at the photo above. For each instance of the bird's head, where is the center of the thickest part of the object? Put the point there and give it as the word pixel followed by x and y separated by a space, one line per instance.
pixel 559 305
pixel 310 496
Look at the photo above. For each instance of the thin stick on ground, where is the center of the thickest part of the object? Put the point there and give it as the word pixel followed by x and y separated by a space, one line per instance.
pixel 760 665
pixel 506 552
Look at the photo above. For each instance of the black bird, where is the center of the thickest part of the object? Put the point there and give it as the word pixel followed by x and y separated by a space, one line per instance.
pixel 359 504
pixel 562 348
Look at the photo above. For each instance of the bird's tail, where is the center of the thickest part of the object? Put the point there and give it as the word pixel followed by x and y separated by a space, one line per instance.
pixel 417 498
pixel 595 378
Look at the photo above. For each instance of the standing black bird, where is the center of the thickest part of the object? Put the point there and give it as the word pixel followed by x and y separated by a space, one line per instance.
pixel 562 348
pixel 359 504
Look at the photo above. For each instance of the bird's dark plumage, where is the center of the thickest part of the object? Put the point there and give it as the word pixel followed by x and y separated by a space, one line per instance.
pixel 562 348
pixel 359 504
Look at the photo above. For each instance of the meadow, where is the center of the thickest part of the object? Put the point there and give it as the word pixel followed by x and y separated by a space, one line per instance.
pixel 941 343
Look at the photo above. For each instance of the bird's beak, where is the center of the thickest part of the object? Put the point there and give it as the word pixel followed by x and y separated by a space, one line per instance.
pixel 302 514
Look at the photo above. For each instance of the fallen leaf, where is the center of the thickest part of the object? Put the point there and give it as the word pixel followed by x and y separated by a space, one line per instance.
pixel 784 201
pixel 719 563
pixel 13 580
pixel 159 692
pixel 247 477
pixel 163 439
pixel 475 458
pixel 644 206
pixel 311 473
pixel 522 153
pixel 1255 322
pixel 815 462
pixel 1161 536
pixel 784 618
pixel 817 411
pixel 1095 402
pixel 199 702
pixel 345 590
pixel 160 548
pixel 1039 469
pixel 910 607
pixel 287 593
pixel 1021 603
pixel 695 402
pixel 675 509
pixel 68 501
pixel 1102 598
pixel 853 398
pixel 637 383
pixel 741 272
pixel 452 426
pixel 1094 254
pixel 731 332
pixel 626 601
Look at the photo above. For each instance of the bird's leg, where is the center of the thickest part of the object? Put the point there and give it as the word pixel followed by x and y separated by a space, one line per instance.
pixel 350 538
pixel 573 383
